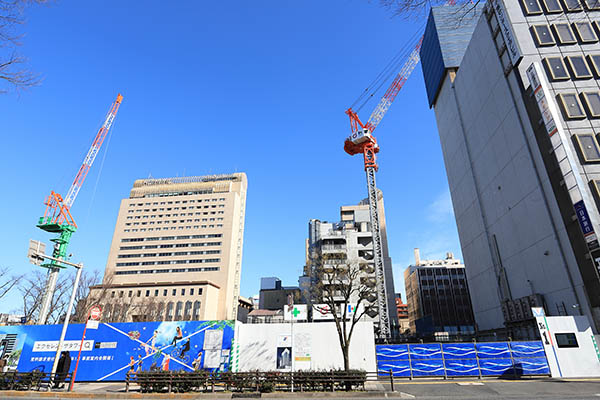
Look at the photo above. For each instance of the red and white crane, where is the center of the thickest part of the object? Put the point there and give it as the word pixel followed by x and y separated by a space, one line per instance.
pixel 362 141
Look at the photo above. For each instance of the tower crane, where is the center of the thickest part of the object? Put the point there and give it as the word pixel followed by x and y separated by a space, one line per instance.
pixel 57 217
pixel 362 141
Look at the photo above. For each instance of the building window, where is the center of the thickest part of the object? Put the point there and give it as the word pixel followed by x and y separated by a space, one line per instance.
pixel 571 105
pixel 178 311
pixel 595 63
pixel 592 102
pixel 565 34
pixel 147 293
pixel 174 292
pixel 156 292
pixel 595 184
pixel 552 6
pixel 543 35
pixel 130 294
pixel 579 67
pixel 556 68
pixel 196 312
pixel 199 291
pixel 592 4
pixel 585 32
pixel 139 293
pixel 183 292
pixel 164 292
pixel 572 5
pixel 187 313
pixel 588 146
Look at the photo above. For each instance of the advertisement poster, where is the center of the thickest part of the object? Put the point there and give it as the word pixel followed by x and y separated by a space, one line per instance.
pixel 113 349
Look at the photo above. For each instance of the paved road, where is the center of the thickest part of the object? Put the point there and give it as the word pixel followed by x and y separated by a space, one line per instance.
pixel 452 390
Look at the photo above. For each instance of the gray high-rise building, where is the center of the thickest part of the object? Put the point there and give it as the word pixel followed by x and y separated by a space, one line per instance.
pixel 350 241
pixel 514 85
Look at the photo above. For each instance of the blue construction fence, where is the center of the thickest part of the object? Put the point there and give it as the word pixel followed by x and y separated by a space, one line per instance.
pixel 462 359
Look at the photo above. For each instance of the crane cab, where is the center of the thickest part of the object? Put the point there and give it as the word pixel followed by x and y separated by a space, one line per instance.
pixel 361 135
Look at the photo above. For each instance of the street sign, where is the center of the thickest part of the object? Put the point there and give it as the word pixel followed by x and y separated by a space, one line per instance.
pixel 95 313
pixel 92 324
pixel 35 249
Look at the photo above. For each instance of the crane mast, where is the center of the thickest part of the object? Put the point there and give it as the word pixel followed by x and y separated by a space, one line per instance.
pixel 57 217
pixel 362 141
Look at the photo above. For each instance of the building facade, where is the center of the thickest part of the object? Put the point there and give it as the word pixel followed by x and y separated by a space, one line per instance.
pixel 273 296
pixel 350 242
pixel 176 252
pixel 437 295
pixel 402 311
pixel 517 100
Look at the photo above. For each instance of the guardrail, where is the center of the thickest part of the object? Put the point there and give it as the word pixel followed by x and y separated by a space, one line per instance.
pixel 34 380
pixel 202 381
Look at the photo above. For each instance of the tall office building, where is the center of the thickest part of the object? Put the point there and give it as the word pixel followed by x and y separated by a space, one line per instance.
pixel 437 295
pixel 514 85
pixel 350 241
pixel 176 252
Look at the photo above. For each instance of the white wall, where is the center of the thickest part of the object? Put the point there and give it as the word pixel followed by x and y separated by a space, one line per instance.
pixel 572 362
pixel 257 346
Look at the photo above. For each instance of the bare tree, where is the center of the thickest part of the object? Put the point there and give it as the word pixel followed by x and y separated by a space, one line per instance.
pixel 13 72
pixel 33 287
pixel 420 8
pixel 83 300
pixel 7 282
pixel 340 284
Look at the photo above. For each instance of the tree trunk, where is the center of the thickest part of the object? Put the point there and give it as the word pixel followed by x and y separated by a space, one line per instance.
pixel 347 364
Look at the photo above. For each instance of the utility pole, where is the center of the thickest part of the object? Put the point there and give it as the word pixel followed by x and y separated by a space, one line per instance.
pixel 36 257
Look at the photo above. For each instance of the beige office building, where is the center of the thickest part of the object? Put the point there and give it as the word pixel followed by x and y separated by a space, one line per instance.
pixel 176 252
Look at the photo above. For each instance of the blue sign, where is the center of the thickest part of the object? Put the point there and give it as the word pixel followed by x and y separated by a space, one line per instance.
pixel 583 218
pixel 113 349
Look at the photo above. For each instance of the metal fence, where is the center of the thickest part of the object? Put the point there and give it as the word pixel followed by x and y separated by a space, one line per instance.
pixel 509 359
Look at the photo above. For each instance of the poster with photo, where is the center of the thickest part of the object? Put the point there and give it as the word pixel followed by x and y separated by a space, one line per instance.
pixel 284 358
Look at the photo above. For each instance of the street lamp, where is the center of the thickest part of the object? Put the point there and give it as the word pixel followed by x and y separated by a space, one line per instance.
pixel 35 256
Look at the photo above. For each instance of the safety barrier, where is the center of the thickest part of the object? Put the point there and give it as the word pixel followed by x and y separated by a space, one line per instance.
pixel 509 359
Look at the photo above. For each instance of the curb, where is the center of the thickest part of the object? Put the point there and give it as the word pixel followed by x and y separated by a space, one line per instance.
pixel 121 395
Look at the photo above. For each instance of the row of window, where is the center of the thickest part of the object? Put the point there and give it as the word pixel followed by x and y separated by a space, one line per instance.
pixel 167 271
pixel 150 239
pixel 119 312
pixel 131 211
pixel 157 291
pixel 174 221
pixel 579 67
pixel 176 253
pixel 166 228
pixel 532 7
pixel 174 202
pixel 573 108
pixel 562 33
pixel 198 261
pixel 169 246
pixel 176 215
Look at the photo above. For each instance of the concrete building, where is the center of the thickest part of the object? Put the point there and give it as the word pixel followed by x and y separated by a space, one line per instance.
pixel 350 241
pixel 437 295
pixel 176 252
pixel 514 85
pixel 402 311
pixel 273 296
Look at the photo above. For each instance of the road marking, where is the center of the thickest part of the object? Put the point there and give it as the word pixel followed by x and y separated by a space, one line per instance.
pixel 469 383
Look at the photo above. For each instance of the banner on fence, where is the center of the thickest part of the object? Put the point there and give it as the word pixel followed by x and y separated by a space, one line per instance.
pixel 113 349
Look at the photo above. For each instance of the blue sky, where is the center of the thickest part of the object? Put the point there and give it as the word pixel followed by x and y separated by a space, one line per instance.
pixel 219 87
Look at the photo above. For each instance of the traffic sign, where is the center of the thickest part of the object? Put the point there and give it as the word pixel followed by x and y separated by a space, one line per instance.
pixel 95 312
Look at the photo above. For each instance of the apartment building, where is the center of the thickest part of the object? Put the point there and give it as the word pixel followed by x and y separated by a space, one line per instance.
pixel 438 299
pixel 350 242
pixel 176 252
pixel 515 89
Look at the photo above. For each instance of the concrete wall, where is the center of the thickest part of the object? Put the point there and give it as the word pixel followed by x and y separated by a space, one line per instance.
pixel 257 345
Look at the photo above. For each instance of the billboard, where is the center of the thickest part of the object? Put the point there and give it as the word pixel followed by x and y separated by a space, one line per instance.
pixel 321 312
pixel 113 349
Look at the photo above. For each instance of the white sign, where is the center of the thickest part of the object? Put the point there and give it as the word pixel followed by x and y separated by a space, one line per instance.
pixel 213 339
pixel 321 312
pixel 507 32
pixel 540 96
pixel 91 324
pixel 297 313
pixel 68 345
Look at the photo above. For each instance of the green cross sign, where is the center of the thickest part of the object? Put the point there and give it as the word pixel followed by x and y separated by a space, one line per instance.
pixel 295 312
